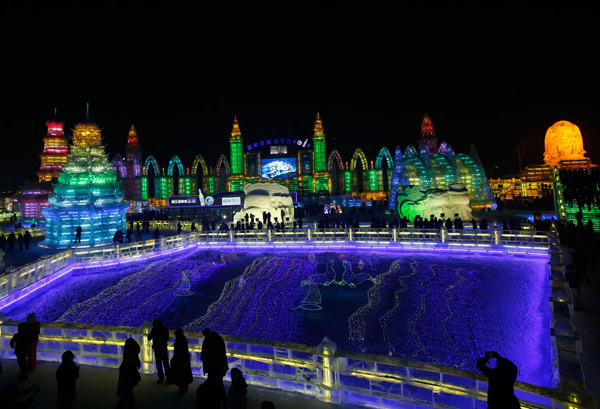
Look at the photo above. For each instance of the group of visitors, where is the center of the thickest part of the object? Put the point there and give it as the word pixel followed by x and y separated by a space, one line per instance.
pixel 581 187
pixel 211 393
pixel 9 243
pixel 25 343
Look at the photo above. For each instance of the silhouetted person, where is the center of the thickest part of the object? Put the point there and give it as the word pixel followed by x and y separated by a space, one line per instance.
pixel 78 234
pixel 128 235
pixel 237 398
pixel 214 360
pixel 129 376
pixel 20 241
pixel 66 376
pixel 12 239
pixel 21 344
pixel 138 235
pixel 27 239
pixel 208 395
pixel 501 380
pixel 474 223
pixel 33 333
pixel 483 224
pixel 159 335
pixel 178 228
pixel 3 242
pixel 448 224
pixel 181 367
pixel 156 234
pixel 193 228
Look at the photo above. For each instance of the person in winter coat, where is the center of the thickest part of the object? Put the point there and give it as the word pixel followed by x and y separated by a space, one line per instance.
pixel 237 397
pixel 66 376
pixel 159 335
pixel 501 393
pixel 129 376
pixel 181 367
pixel 214 360
pixel 27 239
pixel 21 343
pixel 33 332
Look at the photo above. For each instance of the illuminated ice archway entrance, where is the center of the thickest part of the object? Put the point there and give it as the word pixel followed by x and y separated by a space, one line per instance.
pixel 222 176
pixel 200 180
pixel 359 179
pixel 385 174
pixel 175 166
pixel 335 167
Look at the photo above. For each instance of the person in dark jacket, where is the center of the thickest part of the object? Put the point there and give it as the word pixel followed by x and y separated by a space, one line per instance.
pixel 27 239
pixel 21 343
pixel 237 398
pixel 501 393
pixel 181 367
pixel 129 376
pixel 66 376
pixel 33 332
pixel 214 360
pixel 159 335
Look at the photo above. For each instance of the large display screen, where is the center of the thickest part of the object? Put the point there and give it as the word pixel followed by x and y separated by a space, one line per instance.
pixel 278 168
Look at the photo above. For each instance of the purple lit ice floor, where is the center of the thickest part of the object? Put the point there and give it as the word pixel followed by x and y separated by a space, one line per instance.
pixel 442 309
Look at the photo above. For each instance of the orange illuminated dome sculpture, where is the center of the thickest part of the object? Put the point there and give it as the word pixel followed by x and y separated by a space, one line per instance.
pixel 563 143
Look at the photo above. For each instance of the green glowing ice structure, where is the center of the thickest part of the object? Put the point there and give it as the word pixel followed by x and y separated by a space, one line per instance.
pixel 87 195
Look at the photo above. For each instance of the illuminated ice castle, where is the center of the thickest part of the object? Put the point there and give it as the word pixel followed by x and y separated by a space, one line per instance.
pixel 87 195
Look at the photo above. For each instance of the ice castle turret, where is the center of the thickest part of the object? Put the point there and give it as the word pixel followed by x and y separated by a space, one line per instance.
pixel 87 194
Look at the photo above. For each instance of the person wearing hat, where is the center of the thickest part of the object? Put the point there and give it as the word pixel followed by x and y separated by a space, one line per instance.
pixel 66 376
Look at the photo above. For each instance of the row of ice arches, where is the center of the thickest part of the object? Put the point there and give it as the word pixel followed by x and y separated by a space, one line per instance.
pixel 384 175
pixel 158 183
pixel 436 171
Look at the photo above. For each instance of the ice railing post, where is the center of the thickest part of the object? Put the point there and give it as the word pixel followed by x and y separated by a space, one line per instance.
pixel 141 336
pixel 328 374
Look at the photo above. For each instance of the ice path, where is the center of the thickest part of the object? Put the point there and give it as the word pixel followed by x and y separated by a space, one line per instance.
pixel 260 302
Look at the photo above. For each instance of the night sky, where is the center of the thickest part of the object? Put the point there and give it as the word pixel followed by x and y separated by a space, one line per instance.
pixel 493 76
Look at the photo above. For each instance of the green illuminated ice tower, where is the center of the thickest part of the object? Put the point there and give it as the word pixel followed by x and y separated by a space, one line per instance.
pixel 236 179
pixel 320 157
pixel 87 195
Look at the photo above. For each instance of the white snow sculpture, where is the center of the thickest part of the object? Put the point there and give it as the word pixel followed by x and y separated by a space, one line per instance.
pixel 266 197
pixel 435 202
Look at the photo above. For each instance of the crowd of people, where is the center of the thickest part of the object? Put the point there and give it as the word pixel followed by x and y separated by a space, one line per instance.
pixel 9 243
pixel 211 394
pixel 581 187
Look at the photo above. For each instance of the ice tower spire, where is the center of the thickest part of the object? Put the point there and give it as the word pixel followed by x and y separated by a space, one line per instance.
pixel 427 141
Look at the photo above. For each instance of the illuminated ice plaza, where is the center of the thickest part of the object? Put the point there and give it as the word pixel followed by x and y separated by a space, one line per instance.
pixel 380 317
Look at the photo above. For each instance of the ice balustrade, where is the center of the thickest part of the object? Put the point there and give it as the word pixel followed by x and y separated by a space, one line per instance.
pixel 320 371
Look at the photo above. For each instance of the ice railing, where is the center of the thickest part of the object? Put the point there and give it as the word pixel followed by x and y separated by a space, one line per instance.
pixel 322 371
pixel 491 241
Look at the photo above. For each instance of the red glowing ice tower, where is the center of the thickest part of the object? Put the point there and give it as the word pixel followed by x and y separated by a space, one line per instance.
pixel 55 152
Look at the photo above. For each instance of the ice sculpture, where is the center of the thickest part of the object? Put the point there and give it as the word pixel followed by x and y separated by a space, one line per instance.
pixel 323 279
pixel 184 286
pixel 412 201
pixel 352 279
pixel 312 301
pixel 563 142
pixel 266 197
pixel 88 196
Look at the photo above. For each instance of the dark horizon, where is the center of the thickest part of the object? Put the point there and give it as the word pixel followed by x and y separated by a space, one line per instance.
pixel 371 83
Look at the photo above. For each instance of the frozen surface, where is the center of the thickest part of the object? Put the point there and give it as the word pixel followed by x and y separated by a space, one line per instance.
pixel 441 309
